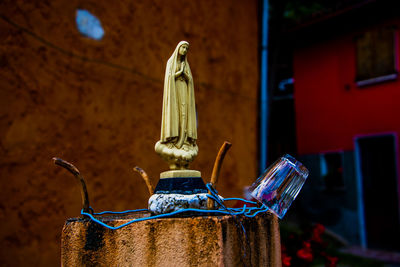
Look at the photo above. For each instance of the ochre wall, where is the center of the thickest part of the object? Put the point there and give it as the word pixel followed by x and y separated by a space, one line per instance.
pixel 61 97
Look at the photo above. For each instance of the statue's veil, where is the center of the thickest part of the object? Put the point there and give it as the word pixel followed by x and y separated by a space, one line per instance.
pixel 170 114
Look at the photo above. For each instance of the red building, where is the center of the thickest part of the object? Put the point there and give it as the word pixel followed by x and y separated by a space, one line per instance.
pixel 347 106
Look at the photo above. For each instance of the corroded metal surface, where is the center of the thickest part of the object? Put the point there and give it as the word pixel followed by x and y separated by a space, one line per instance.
pixel 146 179
pixel 217 168
pixel 84 193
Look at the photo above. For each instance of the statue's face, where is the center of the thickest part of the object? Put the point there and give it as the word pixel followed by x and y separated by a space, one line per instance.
pixel 183 49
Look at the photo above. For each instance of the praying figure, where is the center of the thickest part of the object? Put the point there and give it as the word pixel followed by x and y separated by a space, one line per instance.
pixel 179 125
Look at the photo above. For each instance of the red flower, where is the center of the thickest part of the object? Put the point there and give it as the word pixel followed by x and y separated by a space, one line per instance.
pixel 305 253
pixel 307 245
pixel 286 260
pixel 317 231
pixel 331 261
pixel 285 257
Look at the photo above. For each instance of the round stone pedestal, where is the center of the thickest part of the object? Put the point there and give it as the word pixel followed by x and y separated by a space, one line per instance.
pixel 178 189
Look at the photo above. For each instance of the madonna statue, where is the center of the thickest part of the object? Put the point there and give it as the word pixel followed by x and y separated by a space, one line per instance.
pixel 178 126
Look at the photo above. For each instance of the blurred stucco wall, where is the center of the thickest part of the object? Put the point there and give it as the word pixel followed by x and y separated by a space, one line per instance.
pixel 97 104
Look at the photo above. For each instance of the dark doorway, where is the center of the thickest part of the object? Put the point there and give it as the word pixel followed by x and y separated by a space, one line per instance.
pixel 282 132
pixel 378 170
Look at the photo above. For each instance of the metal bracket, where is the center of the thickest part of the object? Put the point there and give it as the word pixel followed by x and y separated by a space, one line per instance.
pixel 84 193
pixel 216 169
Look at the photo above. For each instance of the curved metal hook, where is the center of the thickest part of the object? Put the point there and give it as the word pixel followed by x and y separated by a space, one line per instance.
pixel 84 193
pixel 217 167
pixel 146 179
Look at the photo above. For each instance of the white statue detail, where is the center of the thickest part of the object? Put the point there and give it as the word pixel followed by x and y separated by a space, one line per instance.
pixel 179 125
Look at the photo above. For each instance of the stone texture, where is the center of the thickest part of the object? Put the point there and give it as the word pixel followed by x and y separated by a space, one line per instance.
pixel 68 100
pixel 197 241
pixel 165 203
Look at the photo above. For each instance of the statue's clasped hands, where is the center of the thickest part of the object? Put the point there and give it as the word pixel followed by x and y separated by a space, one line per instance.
pixel 181 71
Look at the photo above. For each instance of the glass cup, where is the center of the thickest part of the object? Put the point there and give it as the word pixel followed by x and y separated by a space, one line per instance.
pixel 280 184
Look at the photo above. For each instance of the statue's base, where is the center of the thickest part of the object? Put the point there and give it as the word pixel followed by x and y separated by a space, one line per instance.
pixel 166 203
pixel 185 182
pixel 178 189
pixel 177 158
pixel 180 174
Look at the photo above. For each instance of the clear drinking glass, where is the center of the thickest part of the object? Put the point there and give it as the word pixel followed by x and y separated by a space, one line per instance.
pixel 280 184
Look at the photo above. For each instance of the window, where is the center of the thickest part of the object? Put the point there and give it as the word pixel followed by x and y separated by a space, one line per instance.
pixel 376 56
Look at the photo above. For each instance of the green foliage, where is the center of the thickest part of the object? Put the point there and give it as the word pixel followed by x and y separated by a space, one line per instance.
pixel 350 260
pixel 297 10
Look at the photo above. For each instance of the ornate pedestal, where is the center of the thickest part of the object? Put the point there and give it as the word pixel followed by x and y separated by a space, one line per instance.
pixel 178 189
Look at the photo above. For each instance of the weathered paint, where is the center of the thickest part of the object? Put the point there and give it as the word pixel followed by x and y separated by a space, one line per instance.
pixel 104 119
pixel 194 241
pixel 330 108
